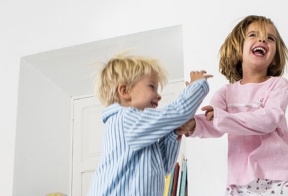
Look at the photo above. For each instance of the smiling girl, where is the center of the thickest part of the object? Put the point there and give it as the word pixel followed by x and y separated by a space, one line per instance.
pixel 251 109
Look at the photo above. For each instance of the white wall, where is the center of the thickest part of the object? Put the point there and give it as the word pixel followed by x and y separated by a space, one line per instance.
pixel 42 150
pixel 48 80
pixel 31 26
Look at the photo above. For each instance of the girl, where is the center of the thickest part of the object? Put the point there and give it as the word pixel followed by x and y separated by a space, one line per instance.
pixel 251 109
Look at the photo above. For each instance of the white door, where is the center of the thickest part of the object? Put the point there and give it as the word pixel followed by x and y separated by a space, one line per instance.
pixel 87 135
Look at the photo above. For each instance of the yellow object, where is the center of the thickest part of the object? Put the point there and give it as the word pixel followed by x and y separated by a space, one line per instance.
pixel 56 194
pixel 167 184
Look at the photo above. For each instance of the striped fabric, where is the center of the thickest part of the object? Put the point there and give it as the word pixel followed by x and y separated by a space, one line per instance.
pixel 140 147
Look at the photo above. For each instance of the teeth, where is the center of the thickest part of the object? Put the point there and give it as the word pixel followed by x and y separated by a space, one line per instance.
pixel 259 48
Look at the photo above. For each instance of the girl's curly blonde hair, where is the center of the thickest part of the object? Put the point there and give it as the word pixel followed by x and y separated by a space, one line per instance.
pixel 126 70
pixel 230 64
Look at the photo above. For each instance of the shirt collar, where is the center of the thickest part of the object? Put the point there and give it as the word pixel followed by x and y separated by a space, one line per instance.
pixel 110 111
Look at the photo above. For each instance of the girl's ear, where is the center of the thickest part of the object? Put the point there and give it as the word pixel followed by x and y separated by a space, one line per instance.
pixel 123 92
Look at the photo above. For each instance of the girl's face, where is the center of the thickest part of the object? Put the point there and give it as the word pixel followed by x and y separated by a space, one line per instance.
pixel 258 51
pixel 144 94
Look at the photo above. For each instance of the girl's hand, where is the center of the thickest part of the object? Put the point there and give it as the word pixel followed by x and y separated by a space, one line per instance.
pixel 209 112
pixel 196 75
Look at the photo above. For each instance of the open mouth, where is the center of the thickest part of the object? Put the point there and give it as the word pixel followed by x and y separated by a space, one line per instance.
pixel 259 51
pixel 154 105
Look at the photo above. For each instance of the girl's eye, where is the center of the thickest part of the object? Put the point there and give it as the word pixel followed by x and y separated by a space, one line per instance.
pixel 271 38
pixel 251 35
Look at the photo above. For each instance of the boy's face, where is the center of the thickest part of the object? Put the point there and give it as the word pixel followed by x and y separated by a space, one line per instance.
pixel 259 51
pixel 144 94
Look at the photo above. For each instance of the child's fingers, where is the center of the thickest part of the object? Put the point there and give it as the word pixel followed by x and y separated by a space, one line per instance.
pixel 179 137
pixel 210 116
pixel 196 75
pixel 208 76
pixel 207 108
pixel 188 134
pixel 180 131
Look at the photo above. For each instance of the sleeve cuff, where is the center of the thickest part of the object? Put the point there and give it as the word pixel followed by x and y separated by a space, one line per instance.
pixel 172 136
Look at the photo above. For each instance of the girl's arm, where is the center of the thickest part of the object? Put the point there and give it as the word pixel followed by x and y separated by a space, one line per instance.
pixel 204 127
pixel 260 121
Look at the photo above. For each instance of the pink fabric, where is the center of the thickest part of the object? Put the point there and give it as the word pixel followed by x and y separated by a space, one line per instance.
pixel 253 116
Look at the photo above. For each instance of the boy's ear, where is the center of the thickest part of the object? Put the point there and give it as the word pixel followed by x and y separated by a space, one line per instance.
pixel 123 92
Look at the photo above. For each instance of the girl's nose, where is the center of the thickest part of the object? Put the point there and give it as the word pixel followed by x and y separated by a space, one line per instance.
pixel 262 40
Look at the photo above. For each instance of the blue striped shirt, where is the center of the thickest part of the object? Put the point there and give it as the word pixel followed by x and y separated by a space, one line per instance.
pixel 140 147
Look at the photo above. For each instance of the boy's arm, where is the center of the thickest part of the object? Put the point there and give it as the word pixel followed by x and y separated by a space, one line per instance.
pixel 143 128
pixel 170 144
pixel 169 147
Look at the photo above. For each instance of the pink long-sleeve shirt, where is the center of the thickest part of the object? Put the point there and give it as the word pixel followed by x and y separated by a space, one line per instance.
pixel 253 116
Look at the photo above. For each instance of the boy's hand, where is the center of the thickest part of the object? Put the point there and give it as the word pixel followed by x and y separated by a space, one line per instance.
pixel 186 129
pixel 196 75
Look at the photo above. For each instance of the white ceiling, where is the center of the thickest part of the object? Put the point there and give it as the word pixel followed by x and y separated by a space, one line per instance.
pixel 73 68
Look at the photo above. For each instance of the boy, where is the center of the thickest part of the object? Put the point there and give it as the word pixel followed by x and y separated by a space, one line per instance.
pixel 140 143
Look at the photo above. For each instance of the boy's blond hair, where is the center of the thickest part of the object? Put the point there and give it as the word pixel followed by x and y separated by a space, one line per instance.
pixel 230 63
pixel 126 70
